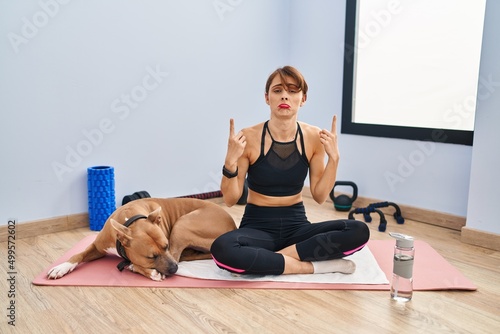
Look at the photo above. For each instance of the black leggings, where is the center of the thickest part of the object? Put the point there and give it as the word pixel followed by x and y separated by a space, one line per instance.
pixel 265 230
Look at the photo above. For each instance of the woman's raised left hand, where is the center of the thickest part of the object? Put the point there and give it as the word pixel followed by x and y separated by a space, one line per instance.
pixel 329 140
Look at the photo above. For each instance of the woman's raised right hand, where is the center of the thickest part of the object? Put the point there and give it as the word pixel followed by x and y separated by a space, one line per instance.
pixel 235 147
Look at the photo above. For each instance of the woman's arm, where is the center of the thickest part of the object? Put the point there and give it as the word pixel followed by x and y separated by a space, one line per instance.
pixel 235 162
pixel 232 188
pixel 322 178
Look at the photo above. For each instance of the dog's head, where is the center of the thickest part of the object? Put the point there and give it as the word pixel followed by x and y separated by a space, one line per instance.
pixel 146 244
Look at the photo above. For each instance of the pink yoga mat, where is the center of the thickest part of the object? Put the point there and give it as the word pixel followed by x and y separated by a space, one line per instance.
pixel 431 272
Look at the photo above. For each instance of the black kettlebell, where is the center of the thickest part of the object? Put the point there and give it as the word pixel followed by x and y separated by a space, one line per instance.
pixel 344 202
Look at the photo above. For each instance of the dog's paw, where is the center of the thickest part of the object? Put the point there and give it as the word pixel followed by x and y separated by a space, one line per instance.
pixel 156 276
pixel 150 273
pixel 61 270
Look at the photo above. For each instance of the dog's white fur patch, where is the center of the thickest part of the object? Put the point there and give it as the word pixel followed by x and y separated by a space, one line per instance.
pixel 61 270
pixel 111 251
pixel 156 276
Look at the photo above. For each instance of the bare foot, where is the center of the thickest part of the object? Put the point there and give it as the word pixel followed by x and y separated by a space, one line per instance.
pixel 334 266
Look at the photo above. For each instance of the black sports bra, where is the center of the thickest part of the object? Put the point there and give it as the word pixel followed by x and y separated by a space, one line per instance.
pixel 282 171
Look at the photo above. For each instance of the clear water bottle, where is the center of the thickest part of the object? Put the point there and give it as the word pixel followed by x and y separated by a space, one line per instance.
pixel 402 273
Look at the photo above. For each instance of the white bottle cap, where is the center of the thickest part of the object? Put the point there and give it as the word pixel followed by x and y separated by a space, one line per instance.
pixel 402 240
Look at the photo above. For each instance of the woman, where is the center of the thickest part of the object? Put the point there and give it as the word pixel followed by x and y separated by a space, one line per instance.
pixel 274 236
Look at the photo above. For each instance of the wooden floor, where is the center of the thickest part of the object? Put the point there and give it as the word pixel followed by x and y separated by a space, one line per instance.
pixel 163 310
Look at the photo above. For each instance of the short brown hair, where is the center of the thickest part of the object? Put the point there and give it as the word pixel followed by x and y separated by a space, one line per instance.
pixel 288 71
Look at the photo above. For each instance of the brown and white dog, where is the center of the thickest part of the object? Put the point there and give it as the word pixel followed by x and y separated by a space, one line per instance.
pixel 164 232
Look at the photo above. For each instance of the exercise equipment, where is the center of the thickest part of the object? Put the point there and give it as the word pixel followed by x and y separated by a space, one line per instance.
pixel 145 194
pixel 207 195
pixel 366 212
pixel 218 193
pixel 397 214
pixel 134 196
pixel 343 202
pixel 374 207
pixel 101 195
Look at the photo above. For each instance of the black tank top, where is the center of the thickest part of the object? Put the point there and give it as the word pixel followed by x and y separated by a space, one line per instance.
pixel 282 171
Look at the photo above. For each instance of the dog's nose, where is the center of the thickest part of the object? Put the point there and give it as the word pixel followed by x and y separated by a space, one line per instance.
pixel 173 269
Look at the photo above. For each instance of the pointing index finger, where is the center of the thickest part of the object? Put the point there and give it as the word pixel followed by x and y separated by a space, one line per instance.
pixel 334 124
pixel 231 127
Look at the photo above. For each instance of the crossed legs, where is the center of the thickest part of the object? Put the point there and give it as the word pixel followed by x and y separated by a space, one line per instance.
pixel 311 248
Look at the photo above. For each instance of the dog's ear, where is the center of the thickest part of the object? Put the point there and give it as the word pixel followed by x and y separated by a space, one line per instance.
pixel 123 233
pixel 154 216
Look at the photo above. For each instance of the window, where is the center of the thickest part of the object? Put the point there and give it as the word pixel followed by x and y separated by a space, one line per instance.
pixel 411 68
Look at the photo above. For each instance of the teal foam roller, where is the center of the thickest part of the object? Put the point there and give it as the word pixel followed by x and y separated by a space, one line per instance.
pixel 101 195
